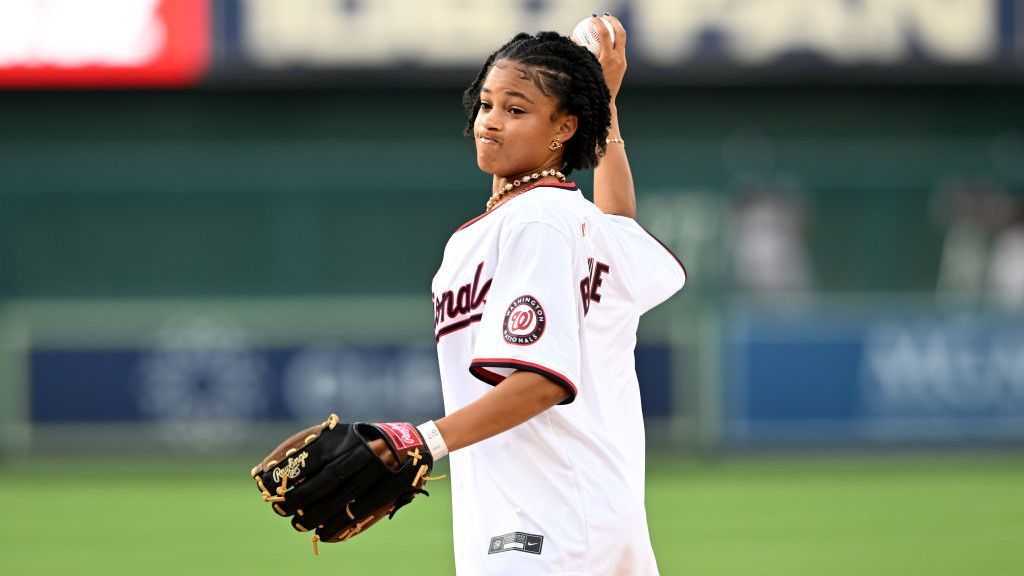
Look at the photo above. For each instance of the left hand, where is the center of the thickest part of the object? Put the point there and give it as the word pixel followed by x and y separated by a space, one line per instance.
pixel 613 56
pixel 325 469
pixel 380 448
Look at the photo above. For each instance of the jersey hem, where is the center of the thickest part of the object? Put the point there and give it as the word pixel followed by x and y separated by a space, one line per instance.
pixel 478 368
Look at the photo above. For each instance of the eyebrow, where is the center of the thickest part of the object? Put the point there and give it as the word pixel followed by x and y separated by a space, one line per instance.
pixel 510 93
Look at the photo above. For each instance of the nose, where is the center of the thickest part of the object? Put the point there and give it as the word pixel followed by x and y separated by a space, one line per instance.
pixel 487 121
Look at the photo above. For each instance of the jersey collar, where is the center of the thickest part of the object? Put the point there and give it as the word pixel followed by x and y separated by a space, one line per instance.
pixel 564 185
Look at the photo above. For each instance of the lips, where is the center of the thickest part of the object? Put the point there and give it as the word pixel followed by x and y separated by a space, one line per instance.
pixel 481 139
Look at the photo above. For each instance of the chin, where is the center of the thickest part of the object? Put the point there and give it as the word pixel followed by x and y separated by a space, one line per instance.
pixel 486 164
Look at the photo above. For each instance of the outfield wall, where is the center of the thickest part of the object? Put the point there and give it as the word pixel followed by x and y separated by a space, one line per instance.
pixel 214 375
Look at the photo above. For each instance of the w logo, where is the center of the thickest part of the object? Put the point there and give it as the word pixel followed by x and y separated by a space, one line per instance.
pixel 521 320
pixel 524 321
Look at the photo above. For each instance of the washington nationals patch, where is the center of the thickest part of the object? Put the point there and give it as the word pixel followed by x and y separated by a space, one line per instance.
pixel 524 321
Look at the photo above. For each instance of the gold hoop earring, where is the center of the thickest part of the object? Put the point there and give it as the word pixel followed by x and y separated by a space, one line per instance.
pixel 555 145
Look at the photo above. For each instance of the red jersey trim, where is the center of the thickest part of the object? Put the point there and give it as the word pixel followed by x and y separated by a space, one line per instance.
pixel 456 326
pixel 564 185
pixel 478 368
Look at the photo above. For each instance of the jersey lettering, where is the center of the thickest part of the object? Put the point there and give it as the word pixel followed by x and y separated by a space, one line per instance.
pixel 591 285
pixel 452 304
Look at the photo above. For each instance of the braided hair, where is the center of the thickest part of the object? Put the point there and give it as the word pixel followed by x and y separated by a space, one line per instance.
pixel 569 73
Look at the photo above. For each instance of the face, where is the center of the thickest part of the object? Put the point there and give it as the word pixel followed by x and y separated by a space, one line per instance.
pixel 516 123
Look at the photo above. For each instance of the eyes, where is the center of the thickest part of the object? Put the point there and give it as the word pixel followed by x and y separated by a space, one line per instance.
pixel 512 110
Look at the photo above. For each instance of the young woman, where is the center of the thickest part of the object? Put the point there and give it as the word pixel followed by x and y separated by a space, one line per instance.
pixel 536 306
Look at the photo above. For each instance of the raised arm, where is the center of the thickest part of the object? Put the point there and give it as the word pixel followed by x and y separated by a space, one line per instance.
pixel 613 180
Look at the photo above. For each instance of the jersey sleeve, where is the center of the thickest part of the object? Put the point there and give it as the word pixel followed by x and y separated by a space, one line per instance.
pixel 650 271
pixel 531 320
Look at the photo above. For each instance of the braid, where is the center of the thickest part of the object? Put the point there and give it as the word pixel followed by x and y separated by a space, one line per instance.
pixel 569 73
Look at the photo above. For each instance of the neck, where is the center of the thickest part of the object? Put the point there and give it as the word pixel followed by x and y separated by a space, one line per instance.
pixel 505 189
pixel 500 181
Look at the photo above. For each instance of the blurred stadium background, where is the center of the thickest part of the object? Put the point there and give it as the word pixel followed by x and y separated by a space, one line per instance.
pixel 219 220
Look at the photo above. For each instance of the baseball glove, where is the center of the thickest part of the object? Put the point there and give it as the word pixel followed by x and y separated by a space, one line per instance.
pixel 329 479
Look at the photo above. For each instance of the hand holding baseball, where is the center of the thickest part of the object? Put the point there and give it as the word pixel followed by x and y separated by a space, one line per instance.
pixel 613 52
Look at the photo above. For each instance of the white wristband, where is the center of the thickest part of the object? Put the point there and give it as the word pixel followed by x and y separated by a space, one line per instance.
pixel 432 436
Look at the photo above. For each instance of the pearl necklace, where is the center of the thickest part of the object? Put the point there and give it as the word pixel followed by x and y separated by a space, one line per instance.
pixel 500 194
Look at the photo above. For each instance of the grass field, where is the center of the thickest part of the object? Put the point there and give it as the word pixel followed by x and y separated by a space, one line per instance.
pixel 892 515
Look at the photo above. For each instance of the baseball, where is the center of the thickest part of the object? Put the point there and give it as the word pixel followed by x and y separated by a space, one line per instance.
pixel 585 34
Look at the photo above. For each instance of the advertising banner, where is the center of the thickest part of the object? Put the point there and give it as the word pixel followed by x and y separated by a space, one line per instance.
pixel 201 395
pixel 133 43
pixel 669 41
pixel 103 43
pixel 825 377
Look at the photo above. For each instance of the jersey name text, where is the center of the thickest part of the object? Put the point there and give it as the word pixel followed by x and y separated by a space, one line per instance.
pixel 590 287
pixel 452 304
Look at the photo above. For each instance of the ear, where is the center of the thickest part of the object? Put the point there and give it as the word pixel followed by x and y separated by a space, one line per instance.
pixel 565 127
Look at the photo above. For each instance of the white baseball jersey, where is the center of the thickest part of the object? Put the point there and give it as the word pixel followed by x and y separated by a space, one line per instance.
pixel 548 283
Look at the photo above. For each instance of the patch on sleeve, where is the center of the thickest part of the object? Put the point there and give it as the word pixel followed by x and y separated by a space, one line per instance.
pixel 524 321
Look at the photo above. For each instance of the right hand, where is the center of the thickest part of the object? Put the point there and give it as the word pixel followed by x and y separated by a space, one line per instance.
pixel 613 56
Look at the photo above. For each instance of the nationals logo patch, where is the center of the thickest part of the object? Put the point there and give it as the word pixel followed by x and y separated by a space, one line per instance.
pixel 524 321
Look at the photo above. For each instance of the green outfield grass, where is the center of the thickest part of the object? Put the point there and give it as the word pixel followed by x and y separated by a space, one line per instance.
pixel 892 515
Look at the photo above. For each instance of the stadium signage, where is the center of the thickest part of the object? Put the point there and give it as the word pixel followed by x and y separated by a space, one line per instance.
pixel 882 377
pixel 103 42
pixel 838 31
pixel 952 367
pixel 663 32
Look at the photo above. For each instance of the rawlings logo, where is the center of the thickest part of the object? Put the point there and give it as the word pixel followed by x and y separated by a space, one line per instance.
pixel 402 434
pixel 292 468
